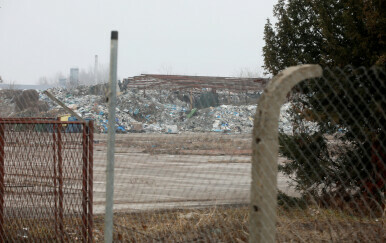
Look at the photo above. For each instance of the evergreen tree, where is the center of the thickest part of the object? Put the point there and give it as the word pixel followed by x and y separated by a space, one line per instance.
pixel 348 102
pixel 327 32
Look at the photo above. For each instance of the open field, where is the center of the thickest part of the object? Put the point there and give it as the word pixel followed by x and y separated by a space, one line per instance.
pixel 195 188
pixel 163 171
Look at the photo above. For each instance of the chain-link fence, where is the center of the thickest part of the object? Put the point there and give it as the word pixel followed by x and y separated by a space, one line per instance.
pixel 183 150
pixel 333 152
pixel 335 155
pixel 44 183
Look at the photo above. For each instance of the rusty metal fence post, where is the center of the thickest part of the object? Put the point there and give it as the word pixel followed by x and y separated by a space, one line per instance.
pixel 55 177
pixel 262 222
pixel 84 183
pixel 2 186
pixel 90 137
pixel 60 172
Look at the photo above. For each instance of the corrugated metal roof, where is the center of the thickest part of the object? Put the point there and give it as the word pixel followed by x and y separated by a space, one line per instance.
pixel 163 81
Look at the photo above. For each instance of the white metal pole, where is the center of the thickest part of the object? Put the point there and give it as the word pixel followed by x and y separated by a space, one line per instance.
pixel 112 100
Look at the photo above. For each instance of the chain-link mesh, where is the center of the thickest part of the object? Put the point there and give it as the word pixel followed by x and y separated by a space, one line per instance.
pixel 43 180
pixel 183 169
pixel 334 153
pixel 183 160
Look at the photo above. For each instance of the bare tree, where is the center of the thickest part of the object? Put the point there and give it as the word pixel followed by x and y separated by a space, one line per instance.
pixel 247 73
pixel 43 80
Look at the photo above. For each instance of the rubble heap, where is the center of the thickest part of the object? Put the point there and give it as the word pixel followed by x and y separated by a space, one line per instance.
pixel 147 111
pixel 21 103
pixel 162 111
pixel 155 110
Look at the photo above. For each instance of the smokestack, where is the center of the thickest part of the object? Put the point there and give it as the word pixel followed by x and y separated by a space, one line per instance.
pixel 96 70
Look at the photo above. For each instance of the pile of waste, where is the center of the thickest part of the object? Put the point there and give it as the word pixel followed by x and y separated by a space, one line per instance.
pixel 21 103
pixel 155 111
pixel 161 111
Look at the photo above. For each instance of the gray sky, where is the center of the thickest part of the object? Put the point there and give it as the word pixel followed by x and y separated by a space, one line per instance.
pixel 192 37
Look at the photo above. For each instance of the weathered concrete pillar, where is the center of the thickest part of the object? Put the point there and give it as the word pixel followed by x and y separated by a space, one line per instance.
pixel 265 145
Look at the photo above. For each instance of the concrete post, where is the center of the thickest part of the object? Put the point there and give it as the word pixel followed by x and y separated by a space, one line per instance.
pixel 265 145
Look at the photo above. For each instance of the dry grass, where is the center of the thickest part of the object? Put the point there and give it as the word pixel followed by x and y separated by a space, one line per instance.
pixel 42 229
pixel 327 225
pixel 230 224
pixel 197 144
pixel 213 224
pixel 189 225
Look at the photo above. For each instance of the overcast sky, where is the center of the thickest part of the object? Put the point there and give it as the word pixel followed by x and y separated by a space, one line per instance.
pixel 192 37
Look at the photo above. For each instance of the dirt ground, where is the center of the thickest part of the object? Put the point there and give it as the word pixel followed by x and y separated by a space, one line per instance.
pixel 164 171
pixel 195 187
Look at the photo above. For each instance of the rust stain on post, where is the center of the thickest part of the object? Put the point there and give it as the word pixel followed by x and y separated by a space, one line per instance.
pixel 265 145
